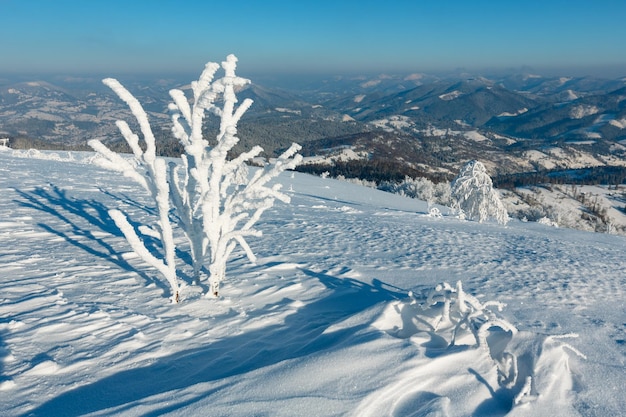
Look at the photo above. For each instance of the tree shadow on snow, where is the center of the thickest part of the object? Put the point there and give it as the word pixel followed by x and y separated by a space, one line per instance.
pixel 301 334
pixel 338 201
pixel 125 199
pixel 153 245
pixel 84 217
pixel 4 353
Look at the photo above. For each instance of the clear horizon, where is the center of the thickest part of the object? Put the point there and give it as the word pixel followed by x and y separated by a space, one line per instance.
pixel 321 37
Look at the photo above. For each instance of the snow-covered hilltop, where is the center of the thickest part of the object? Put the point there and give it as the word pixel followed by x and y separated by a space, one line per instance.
pixel 339 316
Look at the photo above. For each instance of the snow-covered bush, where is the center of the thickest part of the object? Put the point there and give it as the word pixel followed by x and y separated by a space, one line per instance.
pixel 453 317
pixel 546 221
pixel 457 317
pixel 473 193
pixel 435 213
pixel 215 199
pixel 419 188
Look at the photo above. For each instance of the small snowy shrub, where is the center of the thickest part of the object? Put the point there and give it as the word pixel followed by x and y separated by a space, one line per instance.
pixel 459 317
pixel 435 212
pixel 215 199
pixel 525 364
pixel 473 193
pixel 546 221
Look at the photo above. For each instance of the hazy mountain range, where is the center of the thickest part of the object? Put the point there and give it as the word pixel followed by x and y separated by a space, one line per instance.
pixel 417 124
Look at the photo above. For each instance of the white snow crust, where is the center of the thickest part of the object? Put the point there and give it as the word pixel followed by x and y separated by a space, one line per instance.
pixel 327 323
pixel 451 95
pixel 621 123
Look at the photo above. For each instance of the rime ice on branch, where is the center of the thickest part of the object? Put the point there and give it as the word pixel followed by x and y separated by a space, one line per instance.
pixel 150 173
pixel 216 200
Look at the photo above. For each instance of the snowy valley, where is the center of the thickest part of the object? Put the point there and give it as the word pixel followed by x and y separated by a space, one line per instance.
pixel 538 136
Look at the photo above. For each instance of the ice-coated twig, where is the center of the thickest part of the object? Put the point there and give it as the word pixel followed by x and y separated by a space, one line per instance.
pixel 216 200
pixel 151 173
pixel 524 392
pixel 567 345
pixel 460 310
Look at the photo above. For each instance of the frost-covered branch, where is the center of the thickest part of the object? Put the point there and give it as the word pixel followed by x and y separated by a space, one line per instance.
pixel 462 313
pixel 151 173
pixel 138 246
pixel 217 201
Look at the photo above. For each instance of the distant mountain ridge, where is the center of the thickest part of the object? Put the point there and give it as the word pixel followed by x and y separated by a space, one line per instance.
pixel 417 124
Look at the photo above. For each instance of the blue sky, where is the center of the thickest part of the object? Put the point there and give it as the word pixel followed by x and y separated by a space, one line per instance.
pixel 300 36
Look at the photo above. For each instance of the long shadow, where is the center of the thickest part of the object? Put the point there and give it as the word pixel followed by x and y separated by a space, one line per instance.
pixel 184 256
pixel 125 199
pixel 300 335
pixel 332 200
pixel 3 354
pixel 499 404
pixel 353 203
pixel 57 203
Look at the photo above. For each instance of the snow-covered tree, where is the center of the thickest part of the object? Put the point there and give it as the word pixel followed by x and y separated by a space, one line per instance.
pixel 473 195
pixel 215 198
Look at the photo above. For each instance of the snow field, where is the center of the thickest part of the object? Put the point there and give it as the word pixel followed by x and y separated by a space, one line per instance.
pixel 314 327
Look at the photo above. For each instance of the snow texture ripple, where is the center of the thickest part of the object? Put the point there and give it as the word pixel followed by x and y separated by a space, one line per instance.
pixel 322 325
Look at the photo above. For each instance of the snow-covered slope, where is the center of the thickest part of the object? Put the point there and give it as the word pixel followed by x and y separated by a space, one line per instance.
pixel 322 325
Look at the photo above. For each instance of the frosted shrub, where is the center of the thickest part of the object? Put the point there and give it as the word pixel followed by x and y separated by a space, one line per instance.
pixel 455 315
pixel 473 193
pixel 452 318
pixel 217 202
pixel 419 188
pixel 546 221
pixel 435 213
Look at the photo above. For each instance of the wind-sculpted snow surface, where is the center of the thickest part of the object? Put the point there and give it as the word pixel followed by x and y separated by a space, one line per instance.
pixel 344 314
pixel 521 371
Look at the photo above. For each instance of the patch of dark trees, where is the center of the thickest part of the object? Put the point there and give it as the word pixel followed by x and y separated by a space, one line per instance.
pixel 377 170
pixel 23 142
pixel 605 175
